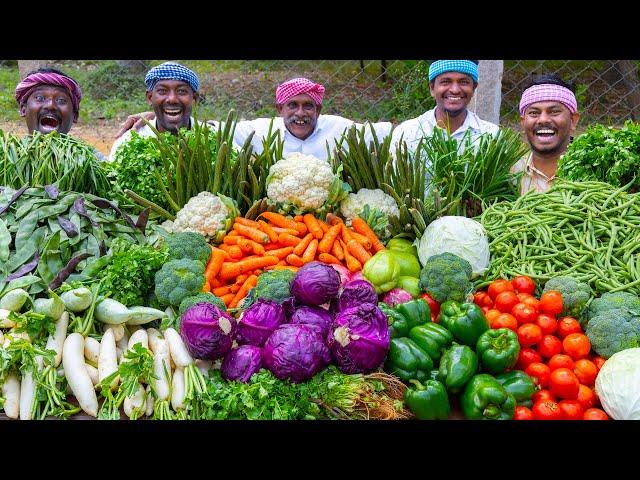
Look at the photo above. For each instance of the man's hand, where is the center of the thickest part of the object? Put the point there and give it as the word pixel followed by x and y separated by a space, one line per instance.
pixel 135 121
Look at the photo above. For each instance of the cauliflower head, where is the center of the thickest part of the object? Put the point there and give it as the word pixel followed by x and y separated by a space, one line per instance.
pixel 208 214
pixel 374 207
pixel 299 183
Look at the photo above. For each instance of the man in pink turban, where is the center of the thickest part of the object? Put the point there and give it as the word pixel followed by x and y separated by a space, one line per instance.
pixel 548 116
pixel 49 100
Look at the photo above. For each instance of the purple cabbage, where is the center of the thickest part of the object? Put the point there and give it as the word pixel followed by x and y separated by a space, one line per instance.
pixel 259 321
pixel 357 292
pixel 359 339
pixel 207 331
pixel 241 363
pixel 315 283
pixel 396 296
pixel 315 317
pixel 295 352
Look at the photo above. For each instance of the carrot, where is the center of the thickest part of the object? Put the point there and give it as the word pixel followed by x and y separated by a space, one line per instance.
pixel 336 251
pixel 233 233
pixel 286 267
pixel 227 258
pixel 215 283
pixel 324 226
pixel 304 243
pixel 241 278
pixel 214 264
pixel 358 251
pixel 361 239
pixel 206 287
pixel 246 222
pixel 352 263
pixel 221 291
pixel 254 247
pixel 310 253
pixel 295 260
pixel 360 226
pixel 328 258
pixel 302 228
pixel 313 225
pixel 231 239
pixel 281 221
pixel 234 288
pixel 266 228
pixel 287 240
pixel 258 271
pixel 272 246
pixel 332 219
pixel 234 251
pixel 298 218
pixel 251 233
pixel 233 269
pixel 244 289
pixel 228 298
pixel 327 241
pixel 346 234
pixel 281 252
pixel 290 231
pixel 246 245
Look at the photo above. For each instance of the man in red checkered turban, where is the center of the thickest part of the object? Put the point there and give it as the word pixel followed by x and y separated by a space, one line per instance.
pixel 299 102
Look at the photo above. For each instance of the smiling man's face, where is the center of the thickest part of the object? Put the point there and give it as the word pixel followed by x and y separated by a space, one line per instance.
pixel 452 92
pixel 48 108
pixel 300 115
pixel 549 126
pixel 172 102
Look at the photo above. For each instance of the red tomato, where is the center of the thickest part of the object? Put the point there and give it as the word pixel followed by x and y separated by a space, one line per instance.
pixel 505 320
pixel 598 362
pixel 485 310
pixel 523 296
pixel 549 346
pixel 560 361
pixel 433 305
pixel 531 302
pixel 567 326
pixel 526 357
pixel 492 314
pixel 595 414
pixel 523 413
pixel 563 383
pixel 543 396
pixel 586 371
pixel 551 302
pixel 547 323
pixel 523 284
pixel 524 313
pixel 576 345
pixel 571 409
pixel 586 397
pixel 540 374
pixel 546 411
pixel 499 286
pixel 505 301
pixel 480 298
pixel 529 334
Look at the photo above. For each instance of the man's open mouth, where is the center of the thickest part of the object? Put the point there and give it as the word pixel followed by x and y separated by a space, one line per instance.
pixel 545 132
pixel 49 121
pixel 172 112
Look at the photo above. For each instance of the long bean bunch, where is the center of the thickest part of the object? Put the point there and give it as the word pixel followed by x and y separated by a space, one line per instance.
pixel 588 230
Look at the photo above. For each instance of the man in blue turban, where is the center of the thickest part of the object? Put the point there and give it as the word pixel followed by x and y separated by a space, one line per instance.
pixel 452 84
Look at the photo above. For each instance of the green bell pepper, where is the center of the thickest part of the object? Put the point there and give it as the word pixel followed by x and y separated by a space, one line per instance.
pixel 433 374
pixel 485 399
pixel 432 338
pixel 457 365
pixel 410 284
pixel 406 315
pixel 498 350
pixel 464 320
pixel 518 384
pixel 409 263
pixel 407 361
pixel 382 271
pixel 402 245
pixel 428 401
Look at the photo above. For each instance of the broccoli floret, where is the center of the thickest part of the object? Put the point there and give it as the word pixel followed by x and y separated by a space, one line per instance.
pixel 626 301
pixel 178 279
pixel 446 277
pixel 203 297
pixel 575 295
pixel 613 331
pixel 272 285
pixel 188 245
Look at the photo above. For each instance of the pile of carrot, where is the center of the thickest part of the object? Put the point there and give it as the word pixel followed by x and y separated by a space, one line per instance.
pixel 276 242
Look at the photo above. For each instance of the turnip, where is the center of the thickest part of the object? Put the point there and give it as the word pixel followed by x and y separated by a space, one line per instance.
pixel 11 394
pixel 112 312
pixel 4 319
pixel 139 336
pixel 162 370
pixel 14 300
pixel 77 375
pixel 91 350
pixel 108 358
pixel 178 390
pixel 77 300
pixel 56 341
pixel 51 307
pixel 142 315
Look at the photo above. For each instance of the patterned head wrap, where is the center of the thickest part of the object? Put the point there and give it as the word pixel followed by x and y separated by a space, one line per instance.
pixel 31 82
pixel 548 92
pixel 171 71
pixel 468 67
pixel 296 86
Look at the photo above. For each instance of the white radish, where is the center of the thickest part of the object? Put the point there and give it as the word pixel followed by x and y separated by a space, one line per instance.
pixel 142 315
pixel 4 319
pixel 56 341
pixel 77 375
pixel 179 352
pixel 136 401
pixel 108 358
pixel 93 374
pixel 112 312
pixel 11 394
pixel 28 392
pixel 118 331
pixel 154 335
pixel 14 300
pixel 77 300
pixel 122 345
pixel 91 350
pixel 119 353
pixel 177 390
pixel 150 401
pixel 162 370
pixel 1 338
pixel 51 307
pixel 204 366
pixel 139 336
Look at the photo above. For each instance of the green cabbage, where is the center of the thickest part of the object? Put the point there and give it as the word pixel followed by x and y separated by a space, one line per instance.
pixel 618 385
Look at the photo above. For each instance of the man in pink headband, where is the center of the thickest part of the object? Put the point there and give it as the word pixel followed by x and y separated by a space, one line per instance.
pixel 549 116
pixel 49 100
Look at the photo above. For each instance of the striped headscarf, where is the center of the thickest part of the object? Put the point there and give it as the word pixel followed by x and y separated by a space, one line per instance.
pixel 171 71
pixel 468 67
pixel 34 80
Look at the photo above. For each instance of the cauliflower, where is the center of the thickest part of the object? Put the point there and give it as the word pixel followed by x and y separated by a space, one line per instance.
pixel 302 183
pixel 374 207
pixel 208 214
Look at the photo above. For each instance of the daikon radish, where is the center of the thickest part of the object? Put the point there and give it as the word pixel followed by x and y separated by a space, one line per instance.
pixel 177 390
pixel 122 345
pixel 135 402
pixel 28 392
pixel 4 319
pixel 154 335
pixel 179 352
pixel 162 370
pixel 204 366
pixel 77 300
pixel 56 341
pixel 51 307
pixel 118 331
pixel 77 375
pixel 139 336
pixel 11 395
pixel 150 401
pixel 108 358
pixel 94 374
pixel 91 350
pixel 142 315
pixel 112 312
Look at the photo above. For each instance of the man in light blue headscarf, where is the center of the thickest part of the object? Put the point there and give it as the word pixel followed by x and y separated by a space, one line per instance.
pixel 452 84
